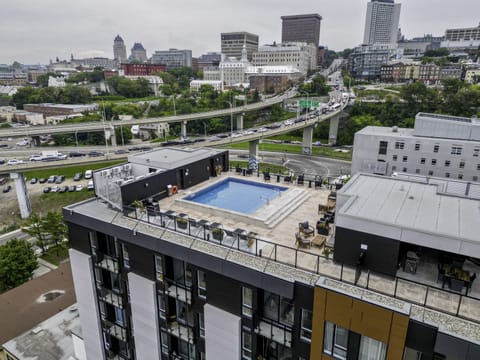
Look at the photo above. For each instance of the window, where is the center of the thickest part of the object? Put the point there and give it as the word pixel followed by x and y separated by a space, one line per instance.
pixel 247 301
pixel 478 166
pixel 430 172
pixel 462 164
pixel 306 325
pixel 371 349
pixel 201 324
pixel 476 151
pixel 164 340
pixel 404 169
pixel 436 148
pixel 475 178
pixel 202 284
pixel 394 157
pixel 456 150
pixel 399 145
pixel 434 161
pixel 422 161
pixel 417 147
pixel 447 175
pixel 382 148
pixel 460 176
pixel 335 341
pixel 126 257
pixel 286 311
pixel 159 267
pixel 246 345
pixel 103 308
pixel 161 306
pixel 119 316
pixel 405 158
pixel 417 171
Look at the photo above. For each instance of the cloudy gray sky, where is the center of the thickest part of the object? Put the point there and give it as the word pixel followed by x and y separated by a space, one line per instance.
pixel 33 31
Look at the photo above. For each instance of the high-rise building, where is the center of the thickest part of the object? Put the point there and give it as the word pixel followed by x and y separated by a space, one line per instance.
pixel 119 50
pixel 173 58
pixel 301 28
pixel 381 23
pixel 138 53
pixel 232 44
pixel 462 38
pixel 165 269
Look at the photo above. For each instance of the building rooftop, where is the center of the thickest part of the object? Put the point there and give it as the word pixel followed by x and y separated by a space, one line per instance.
pixel 412 211
pixel 31 303
pixel 51 339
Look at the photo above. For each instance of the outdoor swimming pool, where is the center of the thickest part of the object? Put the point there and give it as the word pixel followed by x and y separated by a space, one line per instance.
pixel 237 195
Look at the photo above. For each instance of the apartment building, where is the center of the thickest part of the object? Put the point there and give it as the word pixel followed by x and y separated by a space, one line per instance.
pixel 232 43
pixel 298 55
pixel 462 38
pixel 381 22
pixel 161 272
pixel 438 145
pixel 366 61
pixel 173 58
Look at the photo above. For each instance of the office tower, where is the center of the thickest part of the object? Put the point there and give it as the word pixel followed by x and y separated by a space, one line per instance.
pixel 232 44
pixel 381 24
pixel 138 53
pixel 166 268
pixel 173 58
pixel 119 50
pixel 301 28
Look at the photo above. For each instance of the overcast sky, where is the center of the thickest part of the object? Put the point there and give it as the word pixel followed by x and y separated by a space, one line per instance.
pixel 34 31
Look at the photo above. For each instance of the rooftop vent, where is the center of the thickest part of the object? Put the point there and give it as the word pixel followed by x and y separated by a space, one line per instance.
pixel 395 129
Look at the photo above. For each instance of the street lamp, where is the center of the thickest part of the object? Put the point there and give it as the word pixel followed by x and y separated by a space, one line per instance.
pixel 174 108
pixel 231 119
pixel 308 103
pixel 204 128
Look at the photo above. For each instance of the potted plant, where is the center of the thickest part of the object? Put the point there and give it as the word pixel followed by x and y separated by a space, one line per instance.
pixel 139 207
pixel 322 228
pixel 217 234
pixel 182 223
pixel 251 238
pixel 327 252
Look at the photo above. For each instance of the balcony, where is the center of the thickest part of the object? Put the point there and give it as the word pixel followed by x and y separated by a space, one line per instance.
pixel 110 297
pixel 180 331
pixel 108 263
pixel 180 293
pixel 274 331
pixel 115 330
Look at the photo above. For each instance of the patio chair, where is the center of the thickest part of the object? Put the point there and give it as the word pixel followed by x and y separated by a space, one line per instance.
pixel 300 179
pixel 306 229
pixel 456 285
pixel 318 182
pixel 287 179
pixel 302 241
pixel 266 176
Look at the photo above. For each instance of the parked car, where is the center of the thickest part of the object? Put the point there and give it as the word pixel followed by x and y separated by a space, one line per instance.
pixel 52 179
pixel 90 185
pixel 36 157
pixel 2 161
pixel 14 162
pixel 77 177
pixel 42 180
pixel 33 180
pixel 47 189
pixel 59 179
pixel 7 188
pixel 55 188
pixel 121 151
pixel 79 187
pixel 76 154
pixel 3 180
pixel 95 153
pixel 71 188
pixel 88 174
pixel 63 189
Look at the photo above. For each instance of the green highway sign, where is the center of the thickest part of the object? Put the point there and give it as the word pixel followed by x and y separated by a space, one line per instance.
pixel 308 104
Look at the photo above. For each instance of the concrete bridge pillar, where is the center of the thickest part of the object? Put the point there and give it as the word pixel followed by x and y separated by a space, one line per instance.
pixel 240 121
pixel 183 129
pixel 253 154
pixel 22 194
pixel 113 137
pixel 36 140
pixel 333 130
pixel 307 139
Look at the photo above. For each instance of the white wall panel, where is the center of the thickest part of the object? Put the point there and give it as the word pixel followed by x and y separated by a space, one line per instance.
pixel 222 334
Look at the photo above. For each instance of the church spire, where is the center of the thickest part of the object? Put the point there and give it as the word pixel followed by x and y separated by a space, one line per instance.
pixel 244 52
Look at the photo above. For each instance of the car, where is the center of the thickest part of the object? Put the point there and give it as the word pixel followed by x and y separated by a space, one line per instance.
pixel 42 180
pixel 47 189
pixel 77 177
pixel 90 185
pixel 121 151
pixel 79 187
pixel 36 157
pixel 3 180
pixel 3 145
pixel 317 143
pixel 52 179
pixel 14 162
pixel 63 189
pixel 71 188
pixel 262 130
pixel 7 188
pixel 55 188
pixel 33 180
pixel 296 142
pixel 95 153
pixel 76 154
pixel 59 179
pixel 88 174
pixel 23 143
pixel 2 161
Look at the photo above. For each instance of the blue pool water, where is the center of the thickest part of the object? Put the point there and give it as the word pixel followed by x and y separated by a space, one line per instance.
pixel 237 195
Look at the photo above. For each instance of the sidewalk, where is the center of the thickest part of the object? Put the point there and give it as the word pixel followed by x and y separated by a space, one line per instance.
pixel 43 268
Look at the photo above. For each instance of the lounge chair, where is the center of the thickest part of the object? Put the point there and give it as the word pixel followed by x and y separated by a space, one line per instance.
pixel 266 176
pixel 306 229
pixel 300 240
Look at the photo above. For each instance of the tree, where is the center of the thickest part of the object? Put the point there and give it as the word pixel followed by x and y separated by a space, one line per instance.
pixel 17 263
pixel 35 228
pixel 55 227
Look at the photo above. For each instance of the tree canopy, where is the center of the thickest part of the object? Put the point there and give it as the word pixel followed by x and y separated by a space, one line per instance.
pixel 17 263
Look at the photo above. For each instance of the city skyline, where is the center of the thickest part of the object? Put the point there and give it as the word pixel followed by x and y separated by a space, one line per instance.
pixel 40 32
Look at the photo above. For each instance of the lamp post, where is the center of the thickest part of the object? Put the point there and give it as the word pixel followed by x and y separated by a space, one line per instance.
pixel 204 128
pixel 76 139
pixel 308 103
pixel 174 108
pixel 231 119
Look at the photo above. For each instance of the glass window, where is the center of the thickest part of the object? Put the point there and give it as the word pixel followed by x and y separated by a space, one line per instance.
pixel 306 325
pixel 115 281
pixel 460 176
pixel 475 178
pixel 417 171
pixel 399 145
pixel 417 147
pixel 404 169
pixel 202 284
pixel 119 316
pixel 422 161
pixel 247 301
pixel 126 257
pixel 394 168
pixel 394 157
pixel 246 345
pixel 430 172
pixel 456 150
pixel 159 267
pixel 103 308
pixel 382 148
pixel 371 349
pixel 405 158
pixel 201 324
pixel 436 148
pixel 476 151
pixel 286 311
pixel 447 175
pixel 271 306
pixel 434 161
pixel 328 338
pixel 161 306
pixel 335 341
pixel 447 163
pixel 462 164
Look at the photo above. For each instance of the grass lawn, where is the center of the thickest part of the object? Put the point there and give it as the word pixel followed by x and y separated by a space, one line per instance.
pixel 295 149
pixel 56 201
pixel 276 169
pixel 56 254
pixel 70 171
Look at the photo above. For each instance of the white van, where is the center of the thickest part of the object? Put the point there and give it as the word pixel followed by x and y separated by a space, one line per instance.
pixel 88 174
